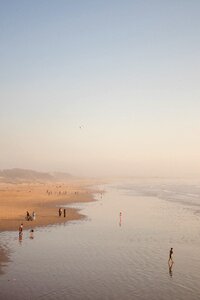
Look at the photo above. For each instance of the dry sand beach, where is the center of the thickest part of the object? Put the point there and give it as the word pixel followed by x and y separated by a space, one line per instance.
pixel 42 198
pixel 24 190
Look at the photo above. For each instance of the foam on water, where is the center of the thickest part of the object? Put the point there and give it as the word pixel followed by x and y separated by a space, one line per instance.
pixel 182 191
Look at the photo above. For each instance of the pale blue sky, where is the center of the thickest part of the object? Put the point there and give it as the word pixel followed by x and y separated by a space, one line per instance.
pixel 128 71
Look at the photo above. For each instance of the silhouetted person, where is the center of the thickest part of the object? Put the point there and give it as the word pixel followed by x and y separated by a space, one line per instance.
pixel 60 212
pixel 21 229
pixel 170 256
pixel 27 215
pixel 64 212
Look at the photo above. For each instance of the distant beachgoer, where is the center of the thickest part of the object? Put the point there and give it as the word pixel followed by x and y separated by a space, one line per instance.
pixel 60 212
pixel 170 255
pixel 31 233
pixel 21 229
pixel 27 215
pixel 120 219
pixel 64 212
pixel 33 215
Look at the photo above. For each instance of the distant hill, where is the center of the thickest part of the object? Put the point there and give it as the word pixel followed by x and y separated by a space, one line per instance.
pixel 61 176
pixel 23 175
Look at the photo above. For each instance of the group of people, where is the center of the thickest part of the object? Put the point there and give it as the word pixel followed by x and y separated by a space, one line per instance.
pixel 60 211
pixel 56 192
pixel 30 217
pixel 21 232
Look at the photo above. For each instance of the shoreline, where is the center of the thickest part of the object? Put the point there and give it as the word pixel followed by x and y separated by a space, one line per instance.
pixel 4 258
pixel 44 199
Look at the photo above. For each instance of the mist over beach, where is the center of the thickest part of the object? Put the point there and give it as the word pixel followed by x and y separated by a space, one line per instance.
pixel 100 88
pixel 100 149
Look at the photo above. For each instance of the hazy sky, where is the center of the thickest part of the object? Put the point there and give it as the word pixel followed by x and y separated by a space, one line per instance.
pixel 127 72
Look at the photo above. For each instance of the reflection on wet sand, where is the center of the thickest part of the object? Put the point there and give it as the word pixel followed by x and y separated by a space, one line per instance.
pixel 120 219
pixel 4 258
pixel 122 263
pixel 20 237
pixel 170 265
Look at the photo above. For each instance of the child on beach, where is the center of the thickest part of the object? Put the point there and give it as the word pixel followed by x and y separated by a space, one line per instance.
pixel 31 234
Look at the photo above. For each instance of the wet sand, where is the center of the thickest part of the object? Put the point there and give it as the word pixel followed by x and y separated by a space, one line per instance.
pixel 4 257
pixel 113 256
pixel 44 199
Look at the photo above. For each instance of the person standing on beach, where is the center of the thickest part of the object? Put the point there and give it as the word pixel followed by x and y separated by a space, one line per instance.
pixel 33 215
pixel 31 234
pixel 170 256
pixel 64 212
pixel 60 212
pixel 21 229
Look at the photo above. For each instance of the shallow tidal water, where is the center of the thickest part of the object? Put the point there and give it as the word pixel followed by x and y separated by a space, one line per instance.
pixel 111 257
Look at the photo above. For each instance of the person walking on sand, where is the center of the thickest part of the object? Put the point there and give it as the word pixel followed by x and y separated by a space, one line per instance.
pixel 64 211
pixel 170 256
